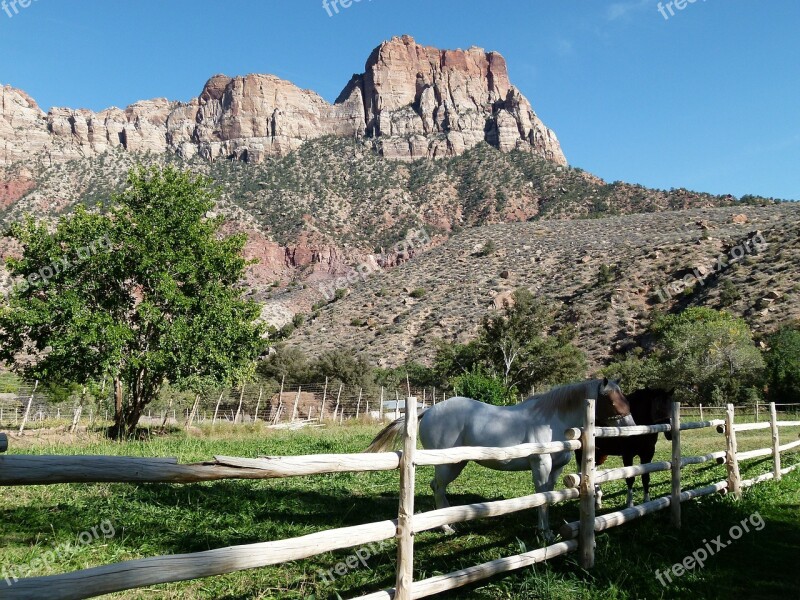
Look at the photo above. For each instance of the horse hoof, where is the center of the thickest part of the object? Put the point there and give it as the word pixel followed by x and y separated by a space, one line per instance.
pixel 448 530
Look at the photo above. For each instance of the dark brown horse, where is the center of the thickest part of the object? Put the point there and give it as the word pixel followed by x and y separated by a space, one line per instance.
pixel 648 407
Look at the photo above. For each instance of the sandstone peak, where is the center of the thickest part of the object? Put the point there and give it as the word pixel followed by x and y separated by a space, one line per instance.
pixel 413 101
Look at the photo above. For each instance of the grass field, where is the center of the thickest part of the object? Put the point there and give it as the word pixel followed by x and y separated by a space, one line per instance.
pixel 150 520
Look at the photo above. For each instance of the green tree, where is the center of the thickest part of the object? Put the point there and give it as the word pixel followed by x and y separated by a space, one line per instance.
pixel 143 293
pixel 287 363
pixel 518 347
pixel 347 366
pixel 636 372
pixel 783 365
pixel 709 352
pixel 484 387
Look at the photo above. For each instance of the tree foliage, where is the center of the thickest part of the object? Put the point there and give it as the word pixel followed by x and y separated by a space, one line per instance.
pixel 144 293
pixel 783 365
pixel 710 351
pixel 707 355
pixel 486 388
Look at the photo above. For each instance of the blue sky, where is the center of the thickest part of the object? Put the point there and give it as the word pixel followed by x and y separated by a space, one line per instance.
pixel 706 98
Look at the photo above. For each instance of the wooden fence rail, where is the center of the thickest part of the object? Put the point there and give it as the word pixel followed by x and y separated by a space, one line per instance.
pixel 29 470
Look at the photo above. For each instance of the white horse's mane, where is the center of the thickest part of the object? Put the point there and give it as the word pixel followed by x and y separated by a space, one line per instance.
pixel 564 398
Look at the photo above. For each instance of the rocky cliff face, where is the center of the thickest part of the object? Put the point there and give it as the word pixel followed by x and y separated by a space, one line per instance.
pixel 413 101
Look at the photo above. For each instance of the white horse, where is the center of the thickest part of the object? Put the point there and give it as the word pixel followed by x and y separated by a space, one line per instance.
pixel 542 418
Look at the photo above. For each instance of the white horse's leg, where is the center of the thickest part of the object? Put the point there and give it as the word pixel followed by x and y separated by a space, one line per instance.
pixel 444 475
pixel 542 471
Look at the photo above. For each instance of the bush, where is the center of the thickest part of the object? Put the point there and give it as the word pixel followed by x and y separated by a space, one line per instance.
pixel 783 365
pixel 728 294
pixel 488 248
pixel 417 293
pixel 478 385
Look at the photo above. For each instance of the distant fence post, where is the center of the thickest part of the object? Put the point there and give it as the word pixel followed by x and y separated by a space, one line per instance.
pixel 776 451
pixel 258 404
pixel 701 412
pixel 587 491
pixel 324 398
pixel 756 411
pixel 216 409
pixel 731 462
pixel 3 442
pixel 28 409
pixel 191 414
pixel 238 416
pixel 675 497
pixel 405 514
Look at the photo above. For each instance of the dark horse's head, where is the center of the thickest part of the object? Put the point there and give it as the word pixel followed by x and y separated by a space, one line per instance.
pixel 612 406
pixel 652 406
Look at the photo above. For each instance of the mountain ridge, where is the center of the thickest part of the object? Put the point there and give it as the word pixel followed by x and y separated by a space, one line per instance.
pixel 412 101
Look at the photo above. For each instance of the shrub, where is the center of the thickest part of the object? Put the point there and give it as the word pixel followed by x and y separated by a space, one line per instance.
pixel 783 365
pixel 478 385
pixel 417 293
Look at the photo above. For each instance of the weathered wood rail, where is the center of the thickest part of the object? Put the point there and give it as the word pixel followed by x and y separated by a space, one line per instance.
pixel 37 470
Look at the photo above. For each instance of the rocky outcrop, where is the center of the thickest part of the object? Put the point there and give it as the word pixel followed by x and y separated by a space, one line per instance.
pixel 413 101
pixel 424 102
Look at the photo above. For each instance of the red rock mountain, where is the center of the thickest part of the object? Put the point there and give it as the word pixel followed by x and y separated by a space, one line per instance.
pixel 413 101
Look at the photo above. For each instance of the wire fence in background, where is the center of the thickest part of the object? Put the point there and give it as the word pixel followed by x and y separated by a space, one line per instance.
pixel 266 402
pixel 258 402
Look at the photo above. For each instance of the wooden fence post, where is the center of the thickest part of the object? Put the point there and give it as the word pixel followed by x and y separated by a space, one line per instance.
pixel 731 462
pixel 675 497
pixel 28 409
pixel 587 491
pixel 405 514
pixel 701 412
pixel 216 409
pixel 338 397
pixel 296 400
pixel 238 416
pixel 190 416
pixel 756 411
pixel 776 452
pixel 76 419
pixel 358 406
pixel 258 404
pixel 380 408
pixel 324 398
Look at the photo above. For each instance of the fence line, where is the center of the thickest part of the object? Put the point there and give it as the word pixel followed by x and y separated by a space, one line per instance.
pixel 258 402
pixel 267 402
pixel 17 470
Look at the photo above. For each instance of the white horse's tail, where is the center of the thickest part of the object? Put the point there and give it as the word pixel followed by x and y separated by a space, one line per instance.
pixel 388 437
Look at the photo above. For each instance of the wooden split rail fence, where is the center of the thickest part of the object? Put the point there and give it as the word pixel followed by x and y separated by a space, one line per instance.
pixel 34 470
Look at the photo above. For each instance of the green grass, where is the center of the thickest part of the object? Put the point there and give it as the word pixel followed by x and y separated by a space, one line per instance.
pixel 150 520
